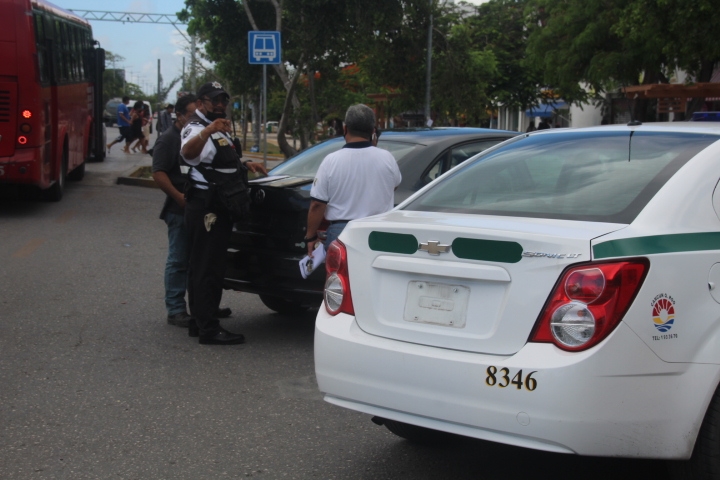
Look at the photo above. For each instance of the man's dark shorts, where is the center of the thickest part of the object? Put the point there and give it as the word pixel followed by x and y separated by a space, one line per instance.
pixel 126 133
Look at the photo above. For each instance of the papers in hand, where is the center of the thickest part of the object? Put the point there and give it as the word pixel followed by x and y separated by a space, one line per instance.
pixel 309 264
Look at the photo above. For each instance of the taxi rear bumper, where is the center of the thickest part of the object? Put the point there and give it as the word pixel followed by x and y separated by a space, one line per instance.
pixel 616 399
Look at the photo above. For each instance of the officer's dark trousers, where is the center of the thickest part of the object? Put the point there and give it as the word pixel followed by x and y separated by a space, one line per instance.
pixel 206 266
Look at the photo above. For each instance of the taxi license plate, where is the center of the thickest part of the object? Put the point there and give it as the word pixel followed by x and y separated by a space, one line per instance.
pixel 437 304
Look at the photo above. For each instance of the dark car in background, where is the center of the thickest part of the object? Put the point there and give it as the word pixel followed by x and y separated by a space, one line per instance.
pixel 110 113
pixel 265 250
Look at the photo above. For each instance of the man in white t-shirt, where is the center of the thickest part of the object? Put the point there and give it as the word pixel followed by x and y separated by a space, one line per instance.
pixel 357 181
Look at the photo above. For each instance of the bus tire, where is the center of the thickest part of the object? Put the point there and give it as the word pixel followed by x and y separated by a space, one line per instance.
pixel 96 153
pixel 77 174
pixel 55 192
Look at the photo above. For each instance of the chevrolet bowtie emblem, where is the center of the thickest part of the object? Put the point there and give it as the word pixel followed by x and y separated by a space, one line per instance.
pixel 433 247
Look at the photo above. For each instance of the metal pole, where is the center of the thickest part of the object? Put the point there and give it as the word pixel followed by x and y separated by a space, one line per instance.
pixel 264 115
pixel 429 68
pixel 193 80
pixel 159 86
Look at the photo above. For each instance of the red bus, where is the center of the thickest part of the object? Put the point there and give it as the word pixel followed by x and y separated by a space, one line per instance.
pixel 50 96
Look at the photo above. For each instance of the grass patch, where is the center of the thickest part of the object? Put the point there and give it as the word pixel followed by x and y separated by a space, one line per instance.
pixel 142 172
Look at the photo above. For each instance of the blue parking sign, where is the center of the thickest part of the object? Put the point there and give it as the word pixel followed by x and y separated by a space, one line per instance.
pixel 264 48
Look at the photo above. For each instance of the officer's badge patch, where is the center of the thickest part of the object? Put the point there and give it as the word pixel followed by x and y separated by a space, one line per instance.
pixel 216 85
pixel 186 133
pixel 223 142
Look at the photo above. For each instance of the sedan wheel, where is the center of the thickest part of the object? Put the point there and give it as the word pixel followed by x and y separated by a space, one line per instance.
pixel 283 306
pixel 705 461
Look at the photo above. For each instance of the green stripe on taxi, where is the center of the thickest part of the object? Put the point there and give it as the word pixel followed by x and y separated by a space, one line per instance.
pixel 681 242
pixel 392 242
pixel 487 250
pixel 468 248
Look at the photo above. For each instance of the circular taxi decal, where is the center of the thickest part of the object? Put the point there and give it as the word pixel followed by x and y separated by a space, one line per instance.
pixel 663 313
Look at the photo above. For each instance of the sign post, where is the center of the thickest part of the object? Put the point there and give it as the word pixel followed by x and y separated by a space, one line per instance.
pixel 264 49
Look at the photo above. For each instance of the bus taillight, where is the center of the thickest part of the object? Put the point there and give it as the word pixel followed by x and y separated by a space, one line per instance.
pixel 22 140
pixel 27 114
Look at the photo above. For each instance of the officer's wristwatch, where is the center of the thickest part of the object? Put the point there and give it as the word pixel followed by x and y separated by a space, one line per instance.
pixel 311 239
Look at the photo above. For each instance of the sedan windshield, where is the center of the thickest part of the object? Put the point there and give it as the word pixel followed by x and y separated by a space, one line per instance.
pixel 592 176
pixel 307 162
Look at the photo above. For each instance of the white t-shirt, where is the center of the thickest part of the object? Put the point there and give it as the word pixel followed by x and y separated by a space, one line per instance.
pixel 357 181
pixel 208 152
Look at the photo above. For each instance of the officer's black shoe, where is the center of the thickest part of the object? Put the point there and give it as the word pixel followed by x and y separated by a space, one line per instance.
pixel 193 329
pixel 223 312
pixel 181 319
pixel 223 337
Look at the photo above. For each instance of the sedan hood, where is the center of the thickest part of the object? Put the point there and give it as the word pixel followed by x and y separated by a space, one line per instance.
pixel 476 283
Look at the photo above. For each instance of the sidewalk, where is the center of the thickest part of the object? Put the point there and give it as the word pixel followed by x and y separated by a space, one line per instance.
pixel 119 166
pixel 117 163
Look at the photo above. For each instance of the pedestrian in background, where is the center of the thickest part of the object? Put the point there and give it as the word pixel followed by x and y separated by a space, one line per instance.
pixel 136 117
pixel 165 119
pixel 146 124
pixel 123 121
pixel 357 181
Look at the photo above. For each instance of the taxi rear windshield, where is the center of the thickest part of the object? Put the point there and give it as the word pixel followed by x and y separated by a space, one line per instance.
pixel 590 176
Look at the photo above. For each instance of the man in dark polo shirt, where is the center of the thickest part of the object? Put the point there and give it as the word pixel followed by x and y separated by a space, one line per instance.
pixel 167 173
pixel 170 173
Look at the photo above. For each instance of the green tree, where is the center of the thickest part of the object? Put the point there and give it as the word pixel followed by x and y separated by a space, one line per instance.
pixel 317 37
pixel 462 75
pixel 394 59
pixel 679 29
pixel 500 29
pixel 582 53
pixel 113 77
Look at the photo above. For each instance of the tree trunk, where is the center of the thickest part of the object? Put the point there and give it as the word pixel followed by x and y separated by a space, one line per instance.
pixel 244 121
pixel 704 76
pixel 285 147
pixel 313 102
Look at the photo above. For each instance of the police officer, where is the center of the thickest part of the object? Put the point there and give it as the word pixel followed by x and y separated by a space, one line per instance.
pixel 216 170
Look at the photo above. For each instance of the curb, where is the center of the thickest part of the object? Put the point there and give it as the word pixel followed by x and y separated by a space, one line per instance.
pixel 135 177
pixel 136 180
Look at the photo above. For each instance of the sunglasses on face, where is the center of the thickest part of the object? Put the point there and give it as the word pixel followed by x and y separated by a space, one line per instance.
pixel 217 101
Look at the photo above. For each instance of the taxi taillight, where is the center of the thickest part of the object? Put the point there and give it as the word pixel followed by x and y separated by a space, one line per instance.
pixel 588 303
pixel 337 283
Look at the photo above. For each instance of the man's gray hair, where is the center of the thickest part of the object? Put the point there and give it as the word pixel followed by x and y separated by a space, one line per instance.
pixel 360 119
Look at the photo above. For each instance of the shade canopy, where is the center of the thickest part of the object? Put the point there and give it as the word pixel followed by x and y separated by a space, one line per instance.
pixel 545 110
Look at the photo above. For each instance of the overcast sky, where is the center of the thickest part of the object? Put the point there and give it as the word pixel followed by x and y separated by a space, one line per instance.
pixel 142 44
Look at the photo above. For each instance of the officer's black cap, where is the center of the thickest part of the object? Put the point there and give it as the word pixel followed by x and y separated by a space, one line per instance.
pixel 211 90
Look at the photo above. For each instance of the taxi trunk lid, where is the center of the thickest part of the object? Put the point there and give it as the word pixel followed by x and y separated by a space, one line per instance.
pixel 483 295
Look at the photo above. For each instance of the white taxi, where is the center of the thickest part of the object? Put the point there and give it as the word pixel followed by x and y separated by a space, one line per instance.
pixel 559 292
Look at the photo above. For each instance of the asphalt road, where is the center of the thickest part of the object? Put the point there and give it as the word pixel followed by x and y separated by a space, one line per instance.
pixel 94 384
